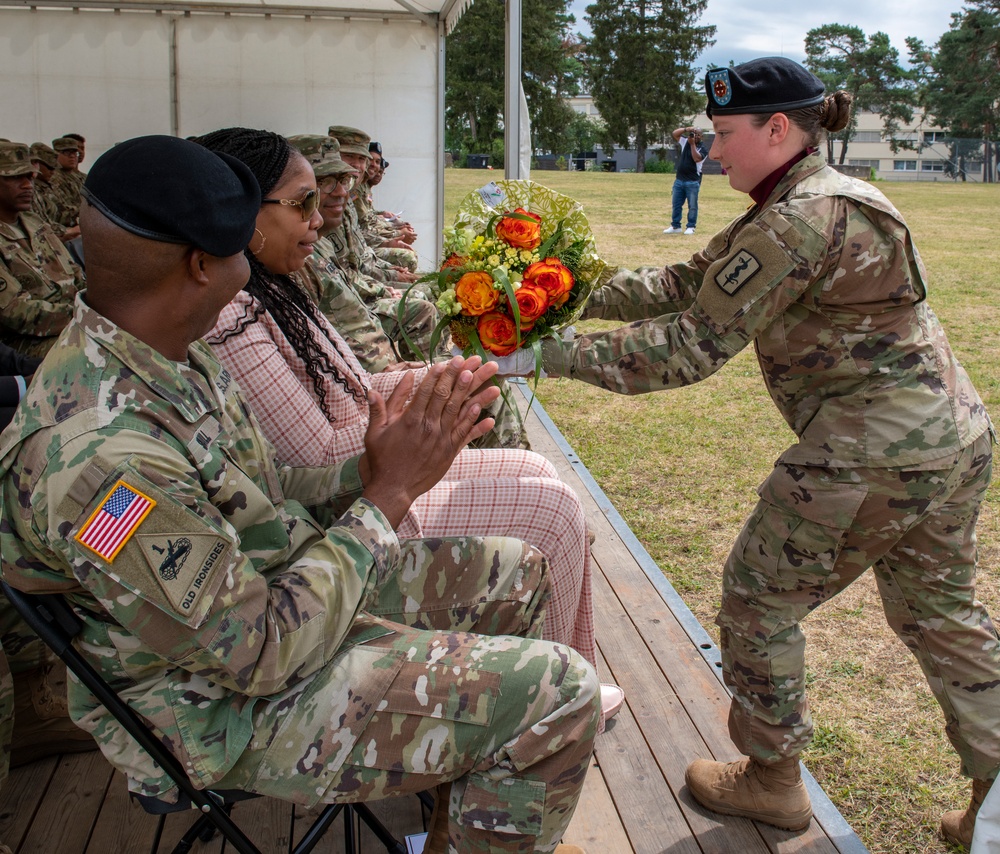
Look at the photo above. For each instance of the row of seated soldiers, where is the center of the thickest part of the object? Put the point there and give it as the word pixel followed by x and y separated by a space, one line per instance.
pixel 359 271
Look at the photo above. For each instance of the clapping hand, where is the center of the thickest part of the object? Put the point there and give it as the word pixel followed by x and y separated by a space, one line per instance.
pixel 410 445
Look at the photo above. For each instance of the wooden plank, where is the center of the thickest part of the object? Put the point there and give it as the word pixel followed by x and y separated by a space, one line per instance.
pixel 664 730
pixel 20 798
pixel 267 821
pixel 122 825
pixel 596 826
pixel 71 804
pixel 651 815
pixel 401 816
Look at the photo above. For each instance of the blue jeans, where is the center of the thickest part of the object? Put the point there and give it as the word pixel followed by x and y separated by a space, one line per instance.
pixel 685 190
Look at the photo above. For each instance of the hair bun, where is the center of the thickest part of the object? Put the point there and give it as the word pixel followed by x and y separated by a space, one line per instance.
pixel 837 110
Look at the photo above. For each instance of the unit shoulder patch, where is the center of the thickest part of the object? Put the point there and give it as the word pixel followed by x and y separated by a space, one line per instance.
pixel 740 270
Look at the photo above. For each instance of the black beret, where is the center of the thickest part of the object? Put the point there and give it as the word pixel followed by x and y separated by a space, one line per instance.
pixel 769 85
pixel 176 191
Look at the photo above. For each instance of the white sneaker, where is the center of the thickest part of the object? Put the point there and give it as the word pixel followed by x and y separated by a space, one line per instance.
pixel 671 230
pixel 688 230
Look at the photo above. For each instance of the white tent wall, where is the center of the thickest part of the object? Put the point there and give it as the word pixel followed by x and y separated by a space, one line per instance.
pixel 114 75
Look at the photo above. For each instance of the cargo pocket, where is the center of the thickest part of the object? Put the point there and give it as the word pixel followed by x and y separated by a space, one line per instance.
pixel 511 805
pixel 786 554
pixel 423 727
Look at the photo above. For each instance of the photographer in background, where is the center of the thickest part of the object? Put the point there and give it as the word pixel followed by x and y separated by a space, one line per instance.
pixel 688 182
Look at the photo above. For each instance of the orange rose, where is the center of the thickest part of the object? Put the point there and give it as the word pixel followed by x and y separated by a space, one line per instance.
pixel 551 275
pixel 498 333
pixel 521 233
pixel 476 293
pixel 532 301
pixel 454 260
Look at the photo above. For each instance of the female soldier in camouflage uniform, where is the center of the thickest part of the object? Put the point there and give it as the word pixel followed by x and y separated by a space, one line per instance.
pixel 894 445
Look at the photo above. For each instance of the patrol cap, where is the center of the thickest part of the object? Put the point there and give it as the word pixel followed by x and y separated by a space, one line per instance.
pixel 15 159
pixel 65 143
pixel 322 152
pixel 772 84
pixel 176 191
pixel 352 140
pixel 44 154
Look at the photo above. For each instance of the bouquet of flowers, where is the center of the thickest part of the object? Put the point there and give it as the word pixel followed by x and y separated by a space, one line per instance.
pixel 520 264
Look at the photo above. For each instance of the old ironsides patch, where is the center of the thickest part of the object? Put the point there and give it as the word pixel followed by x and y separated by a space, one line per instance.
pixel 737 272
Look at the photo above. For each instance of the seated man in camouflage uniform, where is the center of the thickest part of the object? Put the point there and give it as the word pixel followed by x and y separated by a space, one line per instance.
pixel 38 279
pixel 44 205
pixel 375 336
pixel 67 181
pixel 360 326
pixel 229 616
pixel 392 241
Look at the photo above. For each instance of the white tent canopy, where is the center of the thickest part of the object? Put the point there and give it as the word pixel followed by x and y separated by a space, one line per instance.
pixel 112 70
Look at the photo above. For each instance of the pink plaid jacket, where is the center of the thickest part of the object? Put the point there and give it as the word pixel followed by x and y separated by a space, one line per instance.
pixel 487 493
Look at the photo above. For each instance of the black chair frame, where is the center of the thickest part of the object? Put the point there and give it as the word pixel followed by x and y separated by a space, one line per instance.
pixel 53 620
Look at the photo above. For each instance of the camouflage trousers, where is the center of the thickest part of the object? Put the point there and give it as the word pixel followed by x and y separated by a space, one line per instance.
pixel 816 530
pixel 420 316
pixel 405 258
pixel 509 718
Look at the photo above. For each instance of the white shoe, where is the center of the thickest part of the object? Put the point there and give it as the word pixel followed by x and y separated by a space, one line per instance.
pixel 671 230
pixel 688 230
pixel 612 698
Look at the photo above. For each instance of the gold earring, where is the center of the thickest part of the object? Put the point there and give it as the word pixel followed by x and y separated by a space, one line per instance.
pixel 263 240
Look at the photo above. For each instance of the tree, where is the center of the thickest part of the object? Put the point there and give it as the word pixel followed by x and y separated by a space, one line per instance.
pixel 867 67
pixel 640 59
pixel 959 84
pixel 474 75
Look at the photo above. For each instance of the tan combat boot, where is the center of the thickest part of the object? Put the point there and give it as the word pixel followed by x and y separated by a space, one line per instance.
pixel 774 794
pixel 957 825
pixel 42 726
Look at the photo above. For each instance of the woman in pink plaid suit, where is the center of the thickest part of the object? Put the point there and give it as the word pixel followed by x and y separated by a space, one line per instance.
pixel 310 395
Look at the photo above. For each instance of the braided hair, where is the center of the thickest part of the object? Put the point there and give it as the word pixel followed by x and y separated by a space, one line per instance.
pixel 267 154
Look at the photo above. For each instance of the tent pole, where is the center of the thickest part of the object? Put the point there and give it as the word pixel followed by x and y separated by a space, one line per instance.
pixel 512 92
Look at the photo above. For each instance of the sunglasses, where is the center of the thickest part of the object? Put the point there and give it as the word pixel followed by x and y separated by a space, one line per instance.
pixel 309 203
pixel 328 185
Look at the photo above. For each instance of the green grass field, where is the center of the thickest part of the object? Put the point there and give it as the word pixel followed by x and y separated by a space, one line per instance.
pixel 681 467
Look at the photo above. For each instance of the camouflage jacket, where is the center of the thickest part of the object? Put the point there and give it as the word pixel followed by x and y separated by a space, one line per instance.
pixel 375 229
pixel 66 187
pixel 825 280
pixel 38 281
pixel 349 255
pixel 143 489
pixel 361 253
pixel 44 205
pixel 329 287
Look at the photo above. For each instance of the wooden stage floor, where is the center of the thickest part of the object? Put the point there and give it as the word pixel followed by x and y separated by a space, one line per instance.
pixel 634 800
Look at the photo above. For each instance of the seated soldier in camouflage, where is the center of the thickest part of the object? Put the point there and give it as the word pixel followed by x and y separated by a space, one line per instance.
pixel 38 279
pixel 228 615
pixel 327 284
pixel 67 181
pixel 392 241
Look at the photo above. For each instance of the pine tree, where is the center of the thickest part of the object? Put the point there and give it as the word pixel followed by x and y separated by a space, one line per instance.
pixel 640 58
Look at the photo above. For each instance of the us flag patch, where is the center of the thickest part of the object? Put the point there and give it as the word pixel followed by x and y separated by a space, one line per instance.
pixel 110 526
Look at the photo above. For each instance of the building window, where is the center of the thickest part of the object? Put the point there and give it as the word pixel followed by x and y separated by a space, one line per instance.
pixel 932 166
pixel 867 136
pixel 871 164
pixel 904 165
pixel 905 136
pixel 932 136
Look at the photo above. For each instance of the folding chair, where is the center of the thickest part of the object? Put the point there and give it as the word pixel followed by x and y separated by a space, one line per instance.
pixel 52 619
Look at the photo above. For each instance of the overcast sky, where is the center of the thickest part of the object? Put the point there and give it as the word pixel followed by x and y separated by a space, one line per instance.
pixel 749 28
